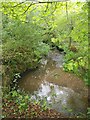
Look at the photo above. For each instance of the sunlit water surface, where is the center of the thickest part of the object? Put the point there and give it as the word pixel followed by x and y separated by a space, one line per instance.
pixel 62 91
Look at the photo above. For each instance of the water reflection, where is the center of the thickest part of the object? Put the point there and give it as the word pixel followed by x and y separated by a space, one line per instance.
pixel 63 91
pixel 60 98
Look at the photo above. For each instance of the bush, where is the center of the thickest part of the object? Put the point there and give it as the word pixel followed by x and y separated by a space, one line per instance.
pixel 22 50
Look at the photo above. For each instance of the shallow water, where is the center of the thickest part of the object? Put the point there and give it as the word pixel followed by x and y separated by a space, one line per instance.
pixel 63 91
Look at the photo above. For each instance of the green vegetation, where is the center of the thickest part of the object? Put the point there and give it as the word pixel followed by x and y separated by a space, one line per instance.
pixel 18 105
pixel 29 32
pixel 22 47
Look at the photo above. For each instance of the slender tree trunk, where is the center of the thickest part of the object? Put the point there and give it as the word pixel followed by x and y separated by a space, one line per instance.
pixel 70 25
pixel 67 11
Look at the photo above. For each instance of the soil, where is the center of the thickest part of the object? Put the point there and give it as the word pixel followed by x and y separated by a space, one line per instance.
pixel 11 110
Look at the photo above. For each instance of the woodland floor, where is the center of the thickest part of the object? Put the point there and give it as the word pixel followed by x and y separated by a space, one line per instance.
pixel 10 110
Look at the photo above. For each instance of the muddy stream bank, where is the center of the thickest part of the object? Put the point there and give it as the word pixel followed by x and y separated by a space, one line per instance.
pixel 63 91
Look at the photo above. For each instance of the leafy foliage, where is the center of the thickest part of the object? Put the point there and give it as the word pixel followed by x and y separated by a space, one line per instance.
pixel 26 25
pixel 29 31
pixel 22 46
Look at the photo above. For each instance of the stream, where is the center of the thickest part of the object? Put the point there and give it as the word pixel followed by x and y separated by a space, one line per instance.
pixel 63 91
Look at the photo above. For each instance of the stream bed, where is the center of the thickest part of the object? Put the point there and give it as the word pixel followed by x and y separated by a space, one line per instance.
pixel 62 91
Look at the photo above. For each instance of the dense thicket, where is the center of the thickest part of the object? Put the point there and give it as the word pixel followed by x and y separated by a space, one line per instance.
pixel 29 31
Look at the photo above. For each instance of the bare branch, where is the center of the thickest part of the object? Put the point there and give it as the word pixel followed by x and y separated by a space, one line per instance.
pixel 19 4
pixel 52 1
pixel 41 2
pixel 67 11
pixel 46 7
pixel 54 8
pixel 27 8
pixel 37 2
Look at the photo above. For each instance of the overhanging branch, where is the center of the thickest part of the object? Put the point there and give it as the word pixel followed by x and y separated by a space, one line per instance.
pixel 52 1
pixel 18 4
pixel 27 8
pixel 37 2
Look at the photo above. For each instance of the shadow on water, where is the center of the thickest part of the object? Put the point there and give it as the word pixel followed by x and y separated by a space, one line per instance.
pixel 63 91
